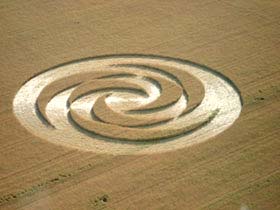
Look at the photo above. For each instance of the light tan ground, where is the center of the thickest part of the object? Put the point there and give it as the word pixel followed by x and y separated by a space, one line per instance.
pixel 238 168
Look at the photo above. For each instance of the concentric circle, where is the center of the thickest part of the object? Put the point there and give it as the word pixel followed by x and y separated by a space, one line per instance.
pixel 127 104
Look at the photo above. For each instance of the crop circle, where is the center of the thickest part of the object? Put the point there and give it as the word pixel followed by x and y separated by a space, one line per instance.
pixel 127 104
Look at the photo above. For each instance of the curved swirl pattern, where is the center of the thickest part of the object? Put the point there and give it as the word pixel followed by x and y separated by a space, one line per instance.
pixel 127 104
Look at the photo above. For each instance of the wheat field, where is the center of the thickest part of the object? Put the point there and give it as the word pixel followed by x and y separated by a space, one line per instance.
pixel 140 104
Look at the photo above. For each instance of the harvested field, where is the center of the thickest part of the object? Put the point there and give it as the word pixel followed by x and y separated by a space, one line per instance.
pixel 140 104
